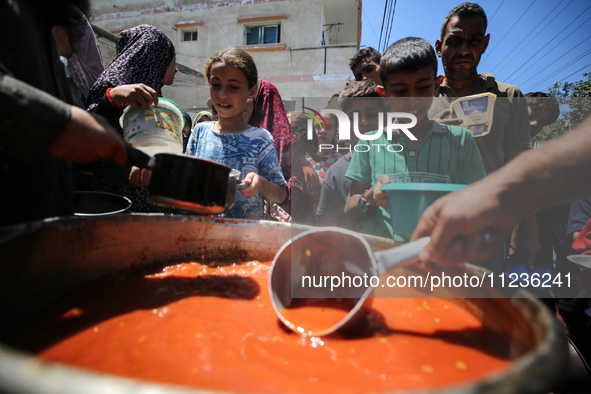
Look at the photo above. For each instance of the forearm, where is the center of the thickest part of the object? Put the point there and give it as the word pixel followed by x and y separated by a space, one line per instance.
pixel 272 191
pixel 512 152
pixel 459 222
pixel 352 204
pixel 30 119
pixel 108 111
pixel 552 174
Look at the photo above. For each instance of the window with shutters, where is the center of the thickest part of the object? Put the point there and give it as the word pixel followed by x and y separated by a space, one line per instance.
pixel 265 34
pixel 189 35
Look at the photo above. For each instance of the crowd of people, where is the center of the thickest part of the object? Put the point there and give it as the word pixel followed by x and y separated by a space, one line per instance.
pixel 60 135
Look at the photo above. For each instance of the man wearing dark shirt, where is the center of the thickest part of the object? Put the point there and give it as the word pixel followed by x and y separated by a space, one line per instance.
pixel 41 135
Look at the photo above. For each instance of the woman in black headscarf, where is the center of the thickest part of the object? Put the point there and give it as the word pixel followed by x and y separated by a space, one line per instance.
pixel 145 62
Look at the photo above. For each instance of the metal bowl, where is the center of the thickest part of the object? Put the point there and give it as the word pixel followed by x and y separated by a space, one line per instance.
pixel 90 203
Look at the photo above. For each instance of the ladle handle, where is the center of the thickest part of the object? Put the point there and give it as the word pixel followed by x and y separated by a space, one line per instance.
pixel 400 255
pixel 138 158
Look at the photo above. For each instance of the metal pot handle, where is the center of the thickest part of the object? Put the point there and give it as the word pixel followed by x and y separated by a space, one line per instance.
pixel 139 159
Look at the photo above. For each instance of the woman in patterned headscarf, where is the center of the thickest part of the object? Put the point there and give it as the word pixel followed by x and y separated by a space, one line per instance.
pixel 266 111
pixel 145 62
pixel 269 113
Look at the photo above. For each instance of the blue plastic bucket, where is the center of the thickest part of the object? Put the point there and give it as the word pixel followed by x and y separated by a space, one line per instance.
pixel 408 201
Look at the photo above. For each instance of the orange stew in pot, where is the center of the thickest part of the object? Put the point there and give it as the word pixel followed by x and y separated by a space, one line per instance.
pixel 211 325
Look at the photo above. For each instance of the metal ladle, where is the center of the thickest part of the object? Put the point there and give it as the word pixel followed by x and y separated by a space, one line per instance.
pixel 330 253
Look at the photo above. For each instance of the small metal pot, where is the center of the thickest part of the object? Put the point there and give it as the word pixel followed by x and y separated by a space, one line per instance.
pixel 188 183
pixel 91 203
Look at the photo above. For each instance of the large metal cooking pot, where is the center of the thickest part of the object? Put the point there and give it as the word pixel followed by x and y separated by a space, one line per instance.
pixel 41 261
pixel 188 183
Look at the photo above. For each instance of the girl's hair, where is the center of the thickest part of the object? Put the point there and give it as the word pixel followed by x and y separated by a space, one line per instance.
pixel 238 58
pixel 299 133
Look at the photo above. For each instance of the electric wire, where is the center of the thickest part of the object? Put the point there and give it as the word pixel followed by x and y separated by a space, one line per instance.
pixel 370 24
pixel 502 61
pixel 497 10
pixel 576 72
pixel 565 66
pixel 557 71
pixel 220 26
pixel 383 25
pixel 388 28
pixel 508 31
pixel 550 50
pixel 391 24
pixel 531 39
pixel 547 24
pixel 387 22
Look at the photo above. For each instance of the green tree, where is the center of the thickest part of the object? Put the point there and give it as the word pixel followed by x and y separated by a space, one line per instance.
pixel 581 88
pixel 575 105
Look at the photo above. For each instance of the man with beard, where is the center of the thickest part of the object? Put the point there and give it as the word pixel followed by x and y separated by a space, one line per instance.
pixel 463 41
pixel 41 134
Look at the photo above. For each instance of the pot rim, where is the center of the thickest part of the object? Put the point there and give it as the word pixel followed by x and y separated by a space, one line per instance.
pixel 114 196
pixel 531 372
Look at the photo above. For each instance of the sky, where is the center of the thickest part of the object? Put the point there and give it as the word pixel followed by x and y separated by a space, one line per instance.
pixel 533 43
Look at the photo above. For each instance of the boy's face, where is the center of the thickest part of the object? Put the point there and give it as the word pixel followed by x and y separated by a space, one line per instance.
pixel 368 111
pixel 416 87
pixel 462 46
pixel 367 69
pixel 537 121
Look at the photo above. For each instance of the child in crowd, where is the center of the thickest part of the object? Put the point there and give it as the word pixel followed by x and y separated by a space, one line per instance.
pixel 232 78
pixel 304 182
pixel 365 64
pixel 266 111
pixel 359 98
pixel 408 70
pixel 543 110
pixel 187 127
pixel 328 140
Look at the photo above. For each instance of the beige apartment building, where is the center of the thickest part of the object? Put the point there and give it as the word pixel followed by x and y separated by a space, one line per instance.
pixel 301 46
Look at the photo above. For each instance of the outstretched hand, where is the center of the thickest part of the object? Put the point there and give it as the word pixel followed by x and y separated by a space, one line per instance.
pixel 465 225
pixel 444 117
pixel 88 137
pixel 140 177
pixel 376 196
pixel 260 185
pixel 136 95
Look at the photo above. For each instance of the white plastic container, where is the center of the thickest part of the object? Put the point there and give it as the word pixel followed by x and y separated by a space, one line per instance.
pixel 154 129
pixel 476 112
